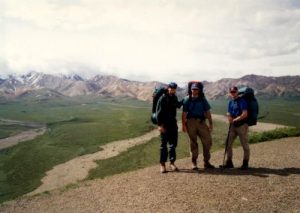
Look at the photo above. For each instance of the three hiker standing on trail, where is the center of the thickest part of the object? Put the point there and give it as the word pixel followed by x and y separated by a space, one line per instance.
pixel 237 116
pixel 197 122
pixel 167 126
pixel 196 110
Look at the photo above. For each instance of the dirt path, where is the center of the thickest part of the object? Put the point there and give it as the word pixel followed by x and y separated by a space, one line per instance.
pixel 21 137
pixel 271 185
pixel 39 129
pixel 77 169
pixel 260 127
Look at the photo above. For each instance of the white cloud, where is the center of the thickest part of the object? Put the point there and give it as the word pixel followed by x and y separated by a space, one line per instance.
pixel 152 40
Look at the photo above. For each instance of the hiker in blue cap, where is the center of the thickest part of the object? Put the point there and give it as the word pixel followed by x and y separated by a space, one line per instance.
pixel 196 110
pixel 167 126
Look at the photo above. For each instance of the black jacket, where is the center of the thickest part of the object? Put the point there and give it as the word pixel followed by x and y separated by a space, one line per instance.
pixel 166 109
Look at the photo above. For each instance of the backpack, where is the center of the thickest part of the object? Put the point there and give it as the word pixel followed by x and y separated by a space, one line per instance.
pixel 157 93
pixel 247 94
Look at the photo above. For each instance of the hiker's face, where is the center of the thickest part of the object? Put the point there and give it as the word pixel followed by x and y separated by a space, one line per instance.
pixel 171 91
pixel 195 92
pixel 233 94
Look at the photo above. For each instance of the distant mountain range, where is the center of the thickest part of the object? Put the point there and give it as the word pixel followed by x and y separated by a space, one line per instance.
pixel 35 83
pixel 285 86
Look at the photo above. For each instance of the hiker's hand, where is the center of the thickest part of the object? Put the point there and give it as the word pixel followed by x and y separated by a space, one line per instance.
pixel 210 127
pixel 161 129
pixel 230 119
pixel 183 128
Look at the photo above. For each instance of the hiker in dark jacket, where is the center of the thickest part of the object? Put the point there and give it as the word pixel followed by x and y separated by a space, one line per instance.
pixel 195 112
pixel 167 126
pixel 237 116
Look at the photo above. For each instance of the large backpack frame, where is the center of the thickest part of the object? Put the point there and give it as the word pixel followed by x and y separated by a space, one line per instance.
pixel 247 94
pixel 158 92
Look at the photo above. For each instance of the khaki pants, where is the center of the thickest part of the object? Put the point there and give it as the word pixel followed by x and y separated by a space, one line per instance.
pixel 242 132
pixel 196 128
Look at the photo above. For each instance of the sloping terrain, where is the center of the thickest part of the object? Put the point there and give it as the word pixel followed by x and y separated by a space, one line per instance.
pixel 38 129
pixel 271 185
pixel 77 169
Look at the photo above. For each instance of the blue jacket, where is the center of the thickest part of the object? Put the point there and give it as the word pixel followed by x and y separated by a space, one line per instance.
pixel 195 107
pixel 236 107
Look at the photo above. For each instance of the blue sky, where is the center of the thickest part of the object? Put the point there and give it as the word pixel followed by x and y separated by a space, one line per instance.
pixel 144 40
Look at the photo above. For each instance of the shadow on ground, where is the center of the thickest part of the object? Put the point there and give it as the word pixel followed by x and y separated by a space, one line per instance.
pixel 260 172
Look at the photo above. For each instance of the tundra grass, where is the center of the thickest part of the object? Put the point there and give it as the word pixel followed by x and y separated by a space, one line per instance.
pixel 10 130
pixel 74 129
pixel 273 134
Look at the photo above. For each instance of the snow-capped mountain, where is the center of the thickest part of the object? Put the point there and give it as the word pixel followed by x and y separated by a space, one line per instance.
pixel 108 85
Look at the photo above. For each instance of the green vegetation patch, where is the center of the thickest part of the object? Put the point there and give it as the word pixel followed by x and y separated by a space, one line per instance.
pixel 74 128
pixel 274 134
pixel 10 130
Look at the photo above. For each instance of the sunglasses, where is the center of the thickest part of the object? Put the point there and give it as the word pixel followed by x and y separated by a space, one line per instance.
pixel 233 92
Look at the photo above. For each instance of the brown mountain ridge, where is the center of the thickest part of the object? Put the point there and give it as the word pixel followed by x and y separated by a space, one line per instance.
pixel 112 86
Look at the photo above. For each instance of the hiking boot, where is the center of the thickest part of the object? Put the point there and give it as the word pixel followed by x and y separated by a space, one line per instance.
pixel 245 165
pixel 228 165
pixel 194 166
pixel 173 167
pixel 207 165
pixel 163 168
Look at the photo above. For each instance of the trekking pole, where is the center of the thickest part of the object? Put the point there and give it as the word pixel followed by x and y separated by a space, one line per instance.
pixel 226 146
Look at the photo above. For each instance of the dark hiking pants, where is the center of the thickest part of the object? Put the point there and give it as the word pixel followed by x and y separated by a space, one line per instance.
pixel 170 137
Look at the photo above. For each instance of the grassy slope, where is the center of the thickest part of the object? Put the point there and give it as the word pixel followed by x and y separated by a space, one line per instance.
pixel 10 130
pixel 73 129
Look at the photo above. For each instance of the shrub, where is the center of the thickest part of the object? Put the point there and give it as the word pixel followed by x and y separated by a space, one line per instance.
pixel 274 134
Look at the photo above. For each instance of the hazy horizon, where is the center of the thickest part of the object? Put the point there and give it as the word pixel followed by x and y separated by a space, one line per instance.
pixel 151 40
